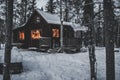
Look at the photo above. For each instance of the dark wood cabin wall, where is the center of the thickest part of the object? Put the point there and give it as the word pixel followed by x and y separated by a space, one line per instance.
pixel 68 32
pixel 16 38
pixel 21 30
pixel 43 25
pixel 27 36
pixel 16 35
pixel 33 25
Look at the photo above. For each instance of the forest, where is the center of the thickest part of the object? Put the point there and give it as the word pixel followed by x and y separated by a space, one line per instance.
pixel 101 17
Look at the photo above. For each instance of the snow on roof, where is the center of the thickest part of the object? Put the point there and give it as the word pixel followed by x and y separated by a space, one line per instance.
pixel 81 29
pixel 78 27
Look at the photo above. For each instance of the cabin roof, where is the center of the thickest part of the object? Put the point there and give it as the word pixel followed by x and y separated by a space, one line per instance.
pixel 52 18
pixel 55 19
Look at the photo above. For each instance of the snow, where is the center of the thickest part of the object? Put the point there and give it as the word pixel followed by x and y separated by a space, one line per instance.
pixel 78 27
pixel 61 66
pixel 41 3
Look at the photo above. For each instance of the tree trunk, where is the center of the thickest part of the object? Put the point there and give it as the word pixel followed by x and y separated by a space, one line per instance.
pixel 61 28
pixel 0 36
pixel 0 45
pixel 88 21
pixel 66 11
pixel 9 24
pixel 92 62
pixel 91 48
pixel 109 39
pixel 25 13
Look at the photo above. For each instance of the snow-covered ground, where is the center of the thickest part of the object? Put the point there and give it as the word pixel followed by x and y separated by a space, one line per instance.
pixel 61 66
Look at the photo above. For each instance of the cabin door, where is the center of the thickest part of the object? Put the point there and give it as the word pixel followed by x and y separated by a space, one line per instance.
pixel 35 36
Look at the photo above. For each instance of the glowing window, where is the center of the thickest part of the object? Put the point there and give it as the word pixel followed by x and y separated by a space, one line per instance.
pixel 21 35
pixel 55 33
pixel 35 34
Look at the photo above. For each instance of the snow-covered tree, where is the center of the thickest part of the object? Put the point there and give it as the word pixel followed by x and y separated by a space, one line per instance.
pixel 51 6
pixel 2 10
pixel 22 10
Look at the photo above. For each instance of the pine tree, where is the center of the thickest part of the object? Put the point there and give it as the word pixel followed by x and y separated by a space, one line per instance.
pixel 9 24
pixel 50 6
pixel 30 7
pixel 77 5
pixel 109 39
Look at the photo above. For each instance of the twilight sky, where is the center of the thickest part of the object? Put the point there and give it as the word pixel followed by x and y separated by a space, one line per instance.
pixel 41 3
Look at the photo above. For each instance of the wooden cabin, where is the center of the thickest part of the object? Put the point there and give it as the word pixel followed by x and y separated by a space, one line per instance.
pixel 42 26
pixel 43 29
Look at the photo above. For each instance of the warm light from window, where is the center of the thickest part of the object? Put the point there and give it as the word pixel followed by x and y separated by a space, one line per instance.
pixel 21 35
pixel 35 34
pixel 55 32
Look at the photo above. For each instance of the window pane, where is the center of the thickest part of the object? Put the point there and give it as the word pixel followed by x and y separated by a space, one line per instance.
pixel 21 35
pixel 55 32
pixel 35 34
